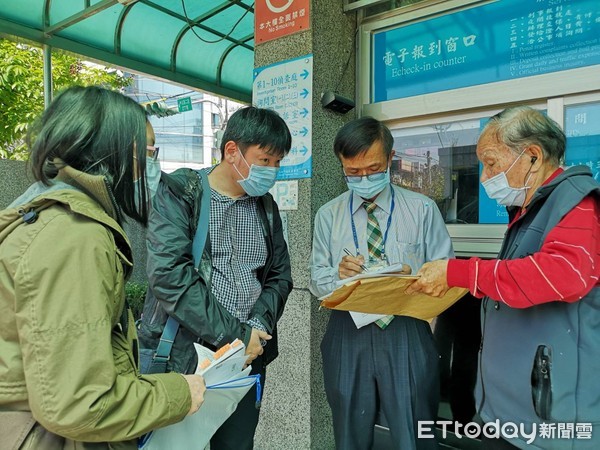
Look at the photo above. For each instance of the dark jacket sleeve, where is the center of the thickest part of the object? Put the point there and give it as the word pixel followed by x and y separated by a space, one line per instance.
pixel 179 288
pixel 277 276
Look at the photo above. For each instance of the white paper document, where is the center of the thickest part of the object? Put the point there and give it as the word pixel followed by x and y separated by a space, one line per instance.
pixel 362 319
pixel 226 384
pixel 389 271
pixel 222 368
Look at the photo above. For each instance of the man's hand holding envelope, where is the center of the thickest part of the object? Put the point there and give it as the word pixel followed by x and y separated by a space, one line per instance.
pixel 432 279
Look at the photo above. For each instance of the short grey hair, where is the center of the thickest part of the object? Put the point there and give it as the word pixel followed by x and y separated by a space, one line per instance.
pixel 520 126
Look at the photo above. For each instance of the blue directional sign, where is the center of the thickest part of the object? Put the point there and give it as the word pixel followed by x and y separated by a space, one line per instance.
pixel 497 41
pixel 287 88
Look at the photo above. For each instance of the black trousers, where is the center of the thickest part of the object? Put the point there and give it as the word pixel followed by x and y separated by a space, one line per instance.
pixel 395 369
pixel 458 335
pixel 237 433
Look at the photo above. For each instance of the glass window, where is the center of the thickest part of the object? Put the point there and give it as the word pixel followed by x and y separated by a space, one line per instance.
pixel 216 120
pixel 179 136
pixel 373 7
pixel 439 161
pixel 582 127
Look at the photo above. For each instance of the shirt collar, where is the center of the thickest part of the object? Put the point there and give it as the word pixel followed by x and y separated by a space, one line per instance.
pixel 220 197
pixel 556 173
pixel 383 200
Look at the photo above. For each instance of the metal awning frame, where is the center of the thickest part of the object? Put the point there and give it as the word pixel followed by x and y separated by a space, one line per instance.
pixel 49 39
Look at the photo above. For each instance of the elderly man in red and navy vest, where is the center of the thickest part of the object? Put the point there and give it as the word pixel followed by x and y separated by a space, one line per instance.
pixel 540 352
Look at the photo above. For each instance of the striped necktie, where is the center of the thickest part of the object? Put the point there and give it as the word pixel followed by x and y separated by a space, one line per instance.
pixel 375 247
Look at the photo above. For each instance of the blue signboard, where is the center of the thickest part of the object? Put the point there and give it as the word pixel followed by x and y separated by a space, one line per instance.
pixel 286 87
pixel 499 41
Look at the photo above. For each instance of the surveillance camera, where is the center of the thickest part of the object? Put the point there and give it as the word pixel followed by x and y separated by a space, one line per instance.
pixel 335 102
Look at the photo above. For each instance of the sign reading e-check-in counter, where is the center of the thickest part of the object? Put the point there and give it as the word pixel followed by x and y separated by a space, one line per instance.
pixel 498 41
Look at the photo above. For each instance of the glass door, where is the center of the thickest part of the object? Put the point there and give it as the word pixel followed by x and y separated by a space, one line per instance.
pixel 439 161
pixel 582 127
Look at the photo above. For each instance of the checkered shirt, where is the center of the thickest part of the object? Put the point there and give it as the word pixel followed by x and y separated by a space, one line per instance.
pixel 238 251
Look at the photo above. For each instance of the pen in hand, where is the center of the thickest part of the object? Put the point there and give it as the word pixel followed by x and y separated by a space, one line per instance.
pixel 347 252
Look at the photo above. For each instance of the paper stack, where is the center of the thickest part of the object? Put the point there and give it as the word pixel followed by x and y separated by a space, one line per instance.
pixel 227 382
pixel 222 365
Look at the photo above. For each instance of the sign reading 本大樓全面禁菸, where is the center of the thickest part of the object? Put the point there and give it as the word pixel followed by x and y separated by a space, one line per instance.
pixel 498 41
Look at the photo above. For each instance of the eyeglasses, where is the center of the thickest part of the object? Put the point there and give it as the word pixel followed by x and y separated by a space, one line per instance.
pixel 371 177
pixel 152 152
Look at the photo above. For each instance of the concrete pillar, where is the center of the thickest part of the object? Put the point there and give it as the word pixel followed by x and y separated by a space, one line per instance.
pixel 295 412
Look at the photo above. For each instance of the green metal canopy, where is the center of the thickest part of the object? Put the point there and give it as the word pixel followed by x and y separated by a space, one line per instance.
pixel 205 44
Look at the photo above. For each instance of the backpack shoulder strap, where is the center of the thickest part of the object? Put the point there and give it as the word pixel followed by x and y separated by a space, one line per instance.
pixel 202 228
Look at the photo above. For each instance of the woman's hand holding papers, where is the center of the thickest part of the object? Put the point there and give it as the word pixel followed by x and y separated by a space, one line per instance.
pixel 197 389
pixel 432 279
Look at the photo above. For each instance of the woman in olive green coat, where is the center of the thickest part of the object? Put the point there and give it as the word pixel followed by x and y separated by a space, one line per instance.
pixel 68 355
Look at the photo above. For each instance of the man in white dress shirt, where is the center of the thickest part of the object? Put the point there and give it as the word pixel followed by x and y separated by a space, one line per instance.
pixel 392 363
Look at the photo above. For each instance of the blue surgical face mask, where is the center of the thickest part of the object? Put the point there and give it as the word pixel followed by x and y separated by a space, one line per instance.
pixel 259 180
pixel 499 189
pixel 369 188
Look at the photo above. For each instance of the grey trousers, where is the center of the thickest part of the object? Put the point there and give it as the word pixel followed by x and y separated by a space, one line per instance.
pixel 395 368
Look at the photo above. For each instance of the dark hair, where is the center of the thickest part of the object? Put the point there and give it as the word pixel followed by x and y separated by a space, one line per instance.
pixel 257 126
pixel 94 130
pixel 520 126
pixel 359 135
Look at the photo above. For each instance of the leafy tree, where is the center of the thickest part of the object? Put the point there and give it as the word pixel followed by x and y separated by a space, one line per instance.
pixel 135 293
pixel 428 181
pixel 22 88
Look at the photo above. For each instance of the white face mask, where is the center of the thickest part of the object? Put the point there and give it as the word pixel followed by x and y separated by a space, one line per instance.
pixel 152 175
pixel 152 180
pixel 499 189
